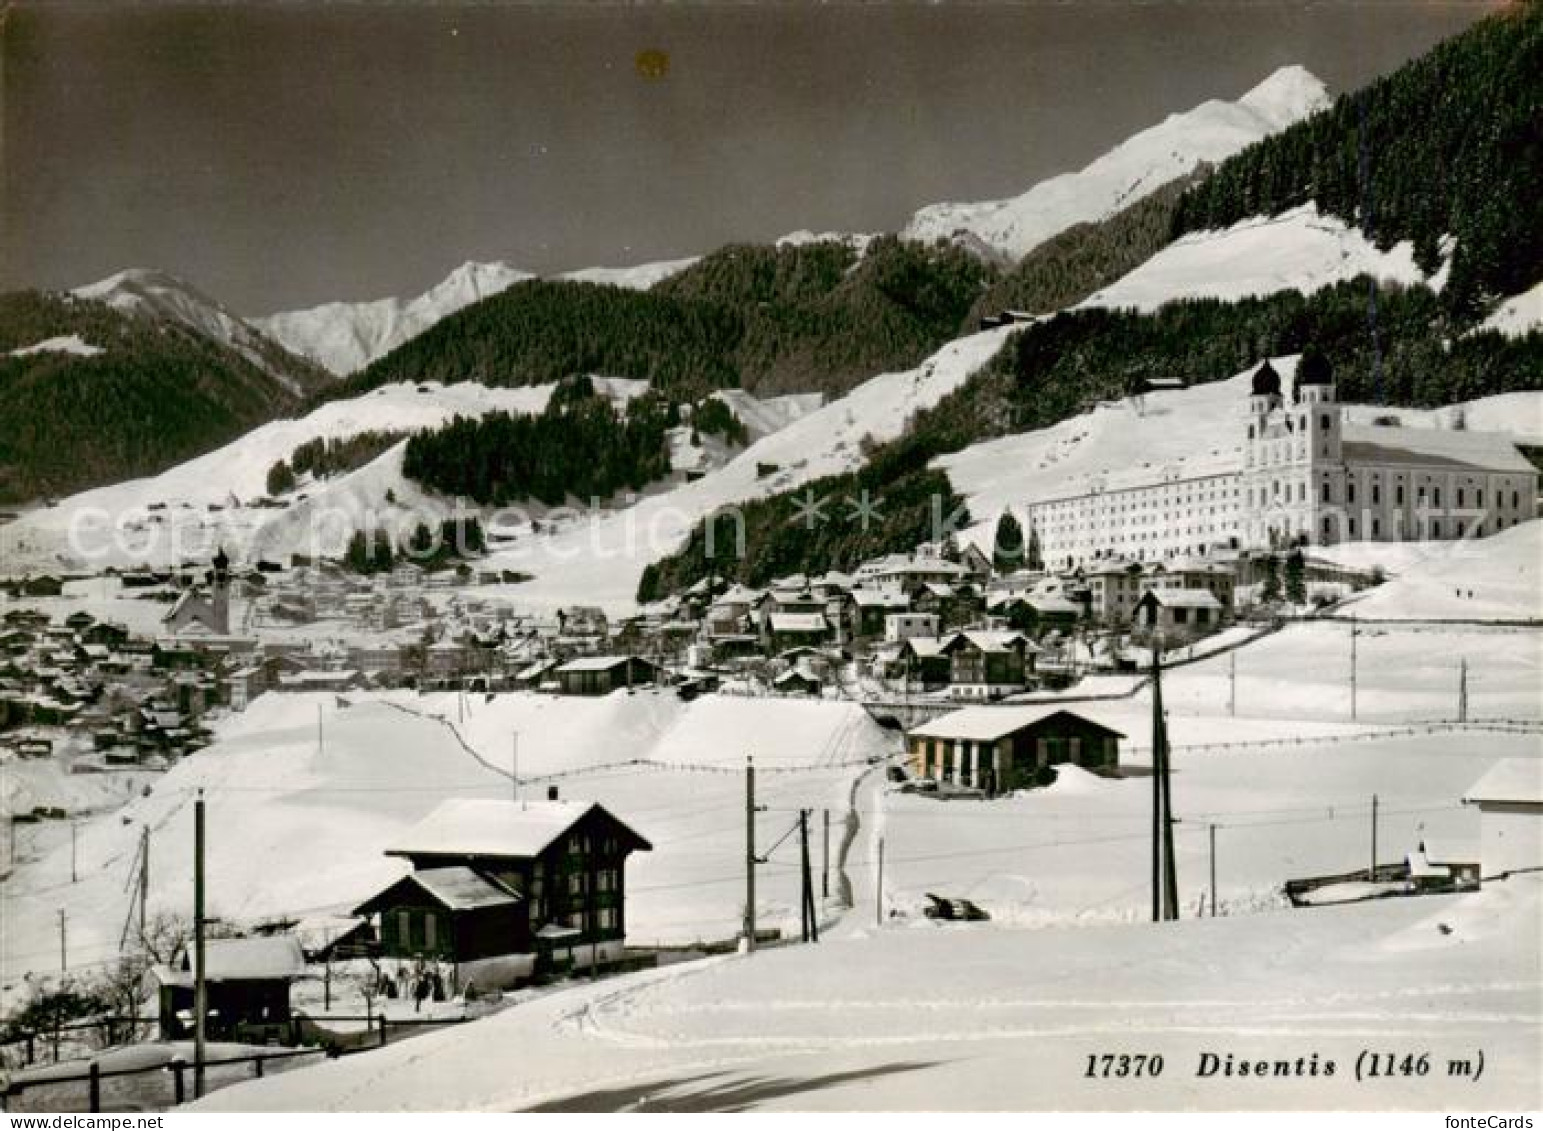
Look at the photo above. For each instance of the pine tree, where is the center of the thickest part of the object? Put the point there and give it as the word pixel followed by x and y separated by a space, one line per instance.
pixel 1271 589
pixel 281 480
pixel 1007 553
pixel 1296 578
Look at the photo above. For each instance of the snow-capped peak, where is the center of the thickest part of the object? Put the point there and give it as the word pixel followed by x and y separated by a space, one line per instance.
pixel 1289 95
pixel 147 293
pixel 1210 132
pixel 345 336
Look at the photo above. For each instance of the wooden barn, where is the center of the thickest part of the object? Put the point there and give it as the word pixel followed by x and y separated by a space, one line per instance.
pixel 509 890
pixel 999 749
pixel 248 984
pixel 601 675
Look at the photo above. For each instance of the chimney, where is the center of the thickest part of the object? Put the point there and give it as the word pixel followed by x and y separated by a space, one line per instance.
pixel 551 793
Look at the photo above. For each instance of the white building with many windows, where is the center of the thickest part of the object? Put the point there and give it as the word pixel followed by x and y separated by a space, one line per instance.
pixel 1306 477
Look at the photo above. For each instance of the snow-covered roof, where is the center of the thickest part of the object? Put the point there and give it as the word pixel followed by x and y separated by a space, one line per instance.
pixel 987 724
pixel 881 599
pixel 1183 598
pixel 272 956
pixel 798 622
pixel 1450 852
pixel 1377 443
pixel 486 827
pixel 1516 780
pixel 925 647
pixel 461 889
pixel 596 663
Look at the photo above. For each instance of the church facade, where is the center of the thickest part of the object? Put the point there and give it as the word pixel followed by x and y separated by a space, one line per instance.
pixel 1306 476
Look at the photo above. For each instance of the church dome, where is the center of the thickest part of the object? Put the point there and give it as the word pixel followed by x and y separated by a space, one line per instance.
pixel 1266 381
pixel 1314 369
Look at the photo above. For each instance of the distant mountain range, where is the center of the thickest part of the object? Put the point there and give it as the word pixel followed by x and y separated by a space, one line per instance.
pixel 141 371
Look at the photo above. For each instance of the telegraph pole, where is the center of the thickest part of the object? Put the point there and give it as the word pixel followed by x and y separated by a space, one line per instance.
pixel 144 880
pixel 749 854
pixel 878 893
pixel 1232 682
pixel 1353 714
pixel 1371 874
pixel 805 888
pixel 1212 830
pixel 825 859
pixel 1165 885
pixel 200 986
pixel 1462 691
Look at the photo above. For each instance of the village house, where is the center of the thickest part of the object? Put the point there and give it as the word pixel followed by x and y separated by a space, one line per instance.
pixel 1510 803
pixel 1179 614
pixel 872 608
pixel 988 665
pixel 999 749
pixel 904 626
pixel 509 890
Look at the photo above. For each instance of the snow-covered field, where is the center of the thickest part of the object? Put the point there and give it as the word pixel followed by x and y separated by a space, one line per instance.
pixel 1210 132
pixel 304 794
pixel 971 1019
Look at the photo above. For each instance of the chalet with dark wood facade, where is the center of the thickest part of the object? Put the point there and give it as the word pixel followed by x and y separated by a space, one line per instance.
pixel 509 890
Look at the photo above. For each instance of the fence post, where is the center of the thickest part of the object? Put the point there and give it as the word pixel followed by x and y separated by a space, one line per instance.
pixel 179 1089
pixel 95 1086
pixel 257 1066
pixel 383 1030
pixel 31 1049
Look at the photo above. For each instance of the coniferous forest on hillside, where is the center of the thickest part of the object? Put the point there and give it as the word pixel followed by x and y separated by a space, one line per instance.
pixel 157 394
pixel 792 318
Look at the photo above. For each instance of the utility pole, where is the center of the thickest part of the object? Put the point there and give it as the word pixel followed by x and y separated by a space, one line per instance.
pixel 825 859
pixel 144 880
pixel 1353 715
pixel 200 986
pixel 749 854
pixel 1212 830
pixel 1165 885
pixel 1232 682
pixel 878 892
pixel 1462 690
pixel 805 889
pixel 1371 874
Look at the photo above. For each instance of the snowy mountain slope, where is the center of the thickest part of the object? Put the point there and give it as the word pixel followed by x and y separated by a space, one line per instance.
pixel 639 278
pixel 598 559
pixel 159 295
pixel 209 501
pixel 1193 431
pixel 1297 250
pixel 1518 315
pixel 345 336
pixel 1210 132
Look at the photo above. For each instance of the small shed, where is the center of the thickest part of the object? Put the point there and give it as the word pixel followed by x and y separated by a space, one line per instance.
pixel 248 984
pixel 1510 803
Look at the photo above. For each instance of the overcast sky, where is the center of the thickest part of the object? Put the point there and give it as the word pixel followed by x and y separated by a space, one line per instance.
pixel 283 155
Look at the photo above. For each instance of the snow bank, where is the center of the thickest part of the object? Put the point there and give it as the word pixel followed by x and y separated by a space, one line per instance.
pixel 1518 315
